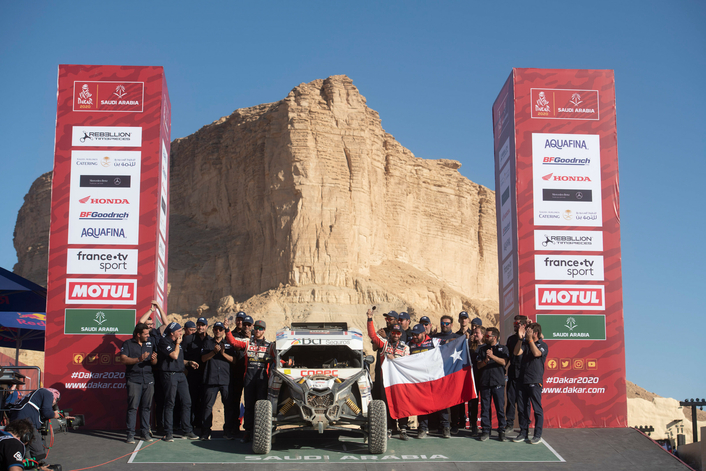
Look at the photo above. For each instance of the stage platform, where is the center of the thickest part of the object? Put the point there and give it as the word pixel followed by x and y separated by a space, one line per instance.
pixel 574 449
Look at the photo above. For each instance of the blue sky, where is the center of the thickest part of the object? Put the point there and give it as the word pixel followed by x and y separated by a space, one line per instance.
pixel 432 70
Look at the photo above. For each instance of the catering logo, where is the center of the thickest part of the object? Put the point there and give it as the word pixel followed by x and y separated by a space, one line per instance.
pixel 98 291
pixel 570 297
pixel 109 96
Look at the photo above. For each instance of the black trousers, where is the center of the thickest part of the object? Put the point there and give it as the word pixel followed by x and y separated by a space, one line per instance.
pixel 473 414
pixel 255 390
pixel 175 384
pixel 139 396
pixel 210 392
pixel 512 400
pixel 158 399
pixel 235 393
pixel 530 397
pixel 458 415
pixel 36 448
pixel 495 394
pixel 443 419
pixel 195 378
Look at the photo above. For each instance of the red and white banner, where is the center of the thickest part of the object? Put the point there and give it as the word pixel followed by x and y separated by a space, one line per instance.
pixel 109 229
pixel 429 381
pixel 557 200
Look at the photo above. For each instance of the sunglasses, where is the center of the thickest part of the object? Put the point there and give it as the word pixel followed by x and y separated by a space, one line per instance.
pixel 247 325
pixel 259 328
pixel 425 323
pixel 218 328
pixel 446 323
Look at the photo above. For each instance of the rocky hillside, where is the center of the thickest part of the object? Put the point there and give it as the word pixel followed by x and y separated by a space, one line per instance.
pixel 307 207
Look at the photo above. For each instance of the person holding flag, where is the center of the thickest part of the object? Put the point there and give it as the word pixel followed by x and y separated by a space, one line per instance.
pixel 389 348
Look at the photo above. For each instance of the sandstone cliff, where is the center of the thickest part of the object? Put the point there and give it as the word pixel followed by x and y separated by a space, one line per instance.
pixel 307 207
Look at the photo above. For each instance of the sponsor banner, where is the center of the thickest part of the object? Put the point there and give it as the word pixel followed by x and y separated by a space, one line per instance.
pixel 508 271
pixel 101 291
pixel 504 153
pixel 568 241
pixel 112 126
pixel 566 195
pixel 570 297
pixel 509 301
pixel 554 103
pixel 162 249
pixel 86 261
pixel 104 197
pixel 568 267
pixel 572 326
pixel 160 276
pixel 99 322
pixel 109 96
pixel 106 136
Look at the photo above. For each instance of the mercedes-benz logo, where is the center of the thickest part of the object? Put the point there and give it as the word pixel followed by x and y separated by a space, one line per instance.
pixel 579 195
pixel 117 181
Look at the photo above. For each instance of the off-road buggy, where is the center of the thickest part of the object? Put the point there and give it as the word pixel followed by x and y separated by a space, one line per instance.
pixel 327 386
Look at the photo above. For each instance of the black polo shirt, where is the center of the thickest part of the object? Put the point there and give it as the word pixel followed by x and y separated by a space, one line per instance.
pixel 140 372
pixel 217 369
pixel 493 373
pixel 513 371
pixel 165 362
pixel 532 368
pixel 193 345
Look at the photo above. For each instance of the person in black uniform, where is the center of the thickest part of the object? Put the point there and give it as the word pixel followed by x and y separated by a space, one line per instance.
pixel 156 335
pixel 217 356
pixel 243 330
pixel 170 357
pixel 476 340
pixel 513 373
pixel 491 364
pixel 260 354
pixel 138 354
pixel 189 328
pixel 404 321
pixel 458 412
pixel 13 439
pixel 193 346
pixel 534 353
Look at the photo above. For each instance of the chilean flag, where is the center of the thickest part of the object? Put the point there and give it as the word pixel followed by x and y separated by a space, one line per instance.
pixel 430 381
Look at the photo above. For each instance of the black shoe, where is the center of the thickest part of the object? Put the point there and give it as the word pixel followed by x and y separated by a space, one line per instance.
pixel 247 438
pixel 474 432
pixel 536 440
pixel 130 439
pixel 509 428
pixel 191 436
pixel 446 433
pixel 147 438
pixel 485 436
pixel 454 430
pixel 421 433
pixel 403 435
pixel 501 436
pixel 520 438
pixel 168 437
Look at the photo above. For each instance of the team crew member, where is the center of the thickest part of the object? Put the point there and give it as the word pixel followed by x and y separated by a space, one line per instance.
pixel 446 335
pixel 243 330
pixel 513 373
pixel 391 319
pixel 13 440
pixel 189 328
pixel 426 322
pixel 534 353
pixel 390 348
pixel 260 354
pixel 217 356
pixel 170 357
pixel 477 336
pixel 193 346
pixel 156 335
pixel 138 354
pixel 491 363
pixel 404 321
pixel 421 342
pixel 458 412
pixel 37 407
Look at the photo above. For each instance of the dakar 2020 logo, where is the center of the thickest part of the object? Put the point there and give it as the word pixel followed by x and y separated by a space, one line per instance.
pixel 542 106
pixel 85 97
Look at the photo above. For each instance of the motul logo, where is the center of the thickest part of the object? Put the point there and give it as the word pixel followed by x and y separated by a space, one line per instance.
pixel 90 200
pixel 565 178
pixel 570 297
pixel 94 291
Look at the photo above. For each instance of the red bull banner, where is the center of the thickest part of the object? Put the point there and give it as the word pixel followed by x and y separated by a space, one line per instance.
pixel 558 219
pixel 109 230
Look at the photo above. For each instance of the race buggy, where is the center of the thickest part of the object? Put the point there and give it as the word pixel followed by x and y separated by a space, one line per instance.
pixel 326 386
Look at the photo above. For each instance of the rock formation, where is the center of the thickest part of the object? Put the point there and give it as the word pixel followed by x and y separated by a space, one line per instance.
pixel 307 207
